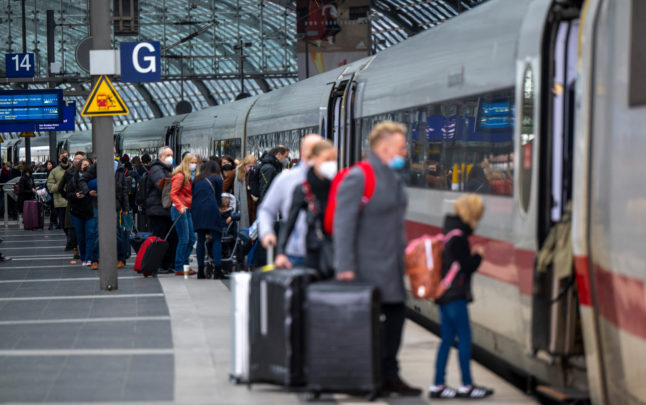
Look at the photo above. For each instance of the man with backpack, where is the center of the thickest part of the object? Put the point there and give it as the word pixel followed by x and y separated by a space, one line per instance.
pixel 270 166
pixel 159 220
pixel 55 185
pixel 369 239
pixel 278 199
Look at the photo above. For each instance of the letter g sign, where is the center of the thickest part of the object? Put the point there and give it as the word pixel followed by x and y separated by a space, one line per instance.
pixel 140 62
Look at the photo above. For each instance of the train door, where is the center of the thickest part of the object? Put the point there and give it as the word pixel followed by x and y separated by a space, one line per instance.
pixel 59 147
pixel 173 141
pixel 555 318
pixel 340 127
pixel 118 144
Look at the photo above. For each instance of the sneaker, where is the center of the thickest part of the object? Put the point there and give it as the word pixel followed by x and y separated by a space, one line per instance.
pixel 87 263
pixel 442 392
pixel 181 272
pixel 400 388
pixel 4 258
pixel 94 266
pixel 474 392
pixel 120 264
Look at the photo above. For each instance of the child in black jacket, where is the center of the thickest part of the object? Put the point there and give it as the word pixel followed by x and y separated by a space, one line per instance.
pixel 453 303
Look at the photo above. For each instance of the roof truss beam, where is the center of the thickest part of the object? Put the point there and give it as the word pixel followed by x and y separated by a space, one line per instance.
pixel 389 10
pixel 154 107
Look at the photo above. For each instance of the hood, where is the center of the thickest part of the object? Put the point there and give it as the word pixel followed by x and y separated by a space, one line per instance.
pixel 452 222
pixel 267 158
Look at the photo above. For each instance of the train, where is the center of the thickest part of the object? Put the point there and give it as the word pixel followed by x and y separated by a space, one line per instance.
pixel 546 98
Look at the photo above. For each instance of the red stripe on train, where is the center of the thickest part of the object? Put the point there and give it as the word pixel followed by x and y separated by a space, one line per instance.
pixel 502 262
pixel 620 298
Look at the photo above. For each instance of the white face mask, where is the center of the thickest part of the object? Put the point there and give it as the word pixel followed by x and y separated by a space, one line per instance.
pixel 328 169
pixel 168 160
pixel 193 166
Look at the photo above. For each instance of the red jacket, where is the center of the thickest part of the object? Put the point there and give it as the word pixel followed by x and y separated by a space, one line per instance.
pixel 180 193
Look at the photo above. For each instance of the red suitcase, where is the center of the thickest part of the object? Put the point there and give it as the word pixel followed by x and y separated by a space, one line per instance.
pixel 32 214
pixel 151 253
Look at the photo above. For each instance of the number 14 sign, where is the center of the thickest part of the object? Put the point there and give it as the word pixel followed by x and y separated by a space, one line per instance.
pixel 19 64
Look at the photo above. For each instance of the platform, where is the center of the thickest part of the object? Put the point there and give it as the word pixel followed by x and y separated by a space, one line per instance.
pixel 162 340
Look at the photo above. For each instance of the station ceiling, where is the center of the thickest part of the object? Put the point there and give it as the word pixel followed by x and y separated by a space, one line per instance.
pixel 200 62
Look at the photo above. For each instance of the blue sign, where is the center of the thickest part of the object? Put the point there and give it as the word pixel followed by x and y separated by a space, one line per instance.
pixel 140 61
pixel 31 106
pixel 19 64
pixel 69 113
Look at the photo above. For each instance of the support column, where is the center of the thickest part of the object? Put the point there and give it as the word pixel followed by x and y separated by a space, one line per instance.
pixel 102 144
pixel 51 26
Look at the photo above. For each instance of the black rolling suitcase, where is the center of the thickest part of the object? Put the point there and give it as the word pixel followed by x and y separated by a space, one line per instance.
pixel 276 338
pixel 343 339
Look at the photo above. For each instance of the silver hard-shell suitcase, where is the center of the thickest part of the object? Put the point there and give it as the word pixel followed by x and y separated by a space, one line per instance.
pixel 240 282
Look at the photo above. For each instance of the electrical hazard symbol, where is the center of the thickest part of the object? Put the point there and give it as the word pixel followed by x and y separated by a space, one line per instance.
pixel 104 100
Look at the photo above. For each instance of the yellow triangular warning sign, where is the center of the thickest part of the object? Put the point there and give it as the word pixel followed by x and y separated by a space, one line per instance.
pixel 104 100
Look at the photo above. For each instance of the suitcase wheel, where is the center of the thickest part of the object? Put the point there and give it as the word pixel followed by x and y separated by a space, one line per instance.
pixel 313 396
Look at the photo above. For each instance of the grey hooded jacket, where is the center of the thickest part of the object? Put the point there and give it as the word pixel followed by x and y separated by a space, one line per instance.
pixel 371 240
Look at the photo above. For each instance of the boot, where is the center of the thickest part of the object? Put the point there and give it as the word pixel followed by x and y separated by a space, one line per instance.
pixel 200 272
pixel 218 274
pixel 77 255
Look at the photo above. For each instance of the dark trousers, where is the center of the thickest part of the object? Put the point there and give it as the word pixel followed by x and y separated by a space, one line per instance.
pixel 455 323
pixel 159 227
pixel 393 316
pixel 60 213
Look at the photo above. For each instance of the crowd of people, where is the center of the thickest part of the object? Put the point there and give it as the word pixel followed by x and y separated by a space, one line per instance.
pixel 176 198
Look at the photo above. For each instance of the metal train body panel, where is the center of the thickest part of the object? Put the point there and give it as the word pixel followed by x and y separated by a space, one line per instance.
pixel 609 240
pixel 496 46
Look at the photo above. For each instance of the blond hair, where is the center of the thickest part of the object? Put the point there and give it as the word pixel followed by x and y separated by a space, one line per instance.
pixel 185 168
pixel 383 130
pixel 319 147
pixel 242 167
pixel 469 208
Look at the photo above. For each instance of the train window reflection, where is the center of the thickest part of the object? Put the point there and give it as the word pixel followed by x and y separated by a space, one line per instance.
pixel 458 145
pixel 258 144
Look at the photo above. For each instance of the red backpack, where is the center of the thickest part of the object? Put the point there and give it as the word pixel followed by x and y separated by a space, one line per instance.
pixel 369 185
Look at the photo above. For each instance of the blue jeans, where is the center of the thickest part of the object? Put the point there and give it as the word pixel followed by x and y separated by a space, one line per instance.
pixel 86 237
pixel 296 261
pixel 216 250
pixel 455 322
pixel 123 241
pixel 185 237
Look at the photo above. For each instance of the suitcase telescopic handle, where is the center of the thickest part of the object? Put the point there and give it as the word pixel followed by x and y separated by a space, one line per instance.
pixel 173 226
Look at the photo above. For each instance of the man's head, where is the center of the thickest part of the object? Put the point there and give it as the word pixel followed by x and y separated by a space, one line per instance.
pixel 388 142
pixel 8 165
pixel 307 143
pixel 281 153
pixel 145 159
pixel 166 155
pixel 78 156
pixel 63 158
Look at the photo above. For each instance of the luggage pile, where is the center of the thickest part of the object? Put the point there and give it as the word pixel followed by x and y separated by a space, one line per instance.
pixel 292 330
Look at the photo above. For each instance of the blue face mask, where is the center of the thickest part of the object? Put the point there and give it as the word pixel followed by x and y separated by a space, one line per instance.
pixel 397 163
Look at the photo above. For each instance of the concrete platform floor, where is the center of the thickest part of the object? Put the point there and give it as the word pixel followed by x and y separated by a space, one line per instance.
pixel 162 341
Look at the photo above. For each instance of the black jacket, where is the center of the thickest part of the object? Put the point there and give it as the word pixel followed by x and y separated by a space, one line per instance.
pixel 26 187
pixel 457 249
pixel 79 207
pixel 121 193
pixel 318 245
pixel 269 168
pixel 153 206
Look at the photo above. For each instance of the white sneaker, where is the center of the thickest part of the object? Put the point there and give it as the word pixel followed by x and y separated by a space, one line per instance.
pixel 87 264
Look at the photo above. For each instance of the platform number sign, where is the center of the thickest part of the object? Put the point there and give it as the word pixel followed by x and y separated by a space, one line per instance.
pixel 19 64
pixel 140 61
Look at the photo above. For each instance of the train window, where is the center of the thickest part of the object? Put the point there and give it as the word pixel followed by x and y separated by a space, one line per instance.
pixel 526 139
pixel 459 145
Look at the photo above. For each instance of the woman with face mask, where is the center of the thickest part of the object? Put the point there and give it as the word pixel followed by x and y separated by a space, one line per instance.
pixel 312 198
pixel 241 191
pixel 228 173
pixel 181 197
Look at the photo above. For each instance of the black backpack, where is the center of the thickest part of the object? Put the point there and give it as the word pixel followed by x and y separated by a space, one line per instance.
pixel 131 183
pixel 254 180
pixel 142 192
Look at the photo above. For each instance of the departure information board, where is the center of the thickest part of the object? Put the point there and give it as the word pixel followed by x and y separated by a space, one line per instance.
pixel 31 106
